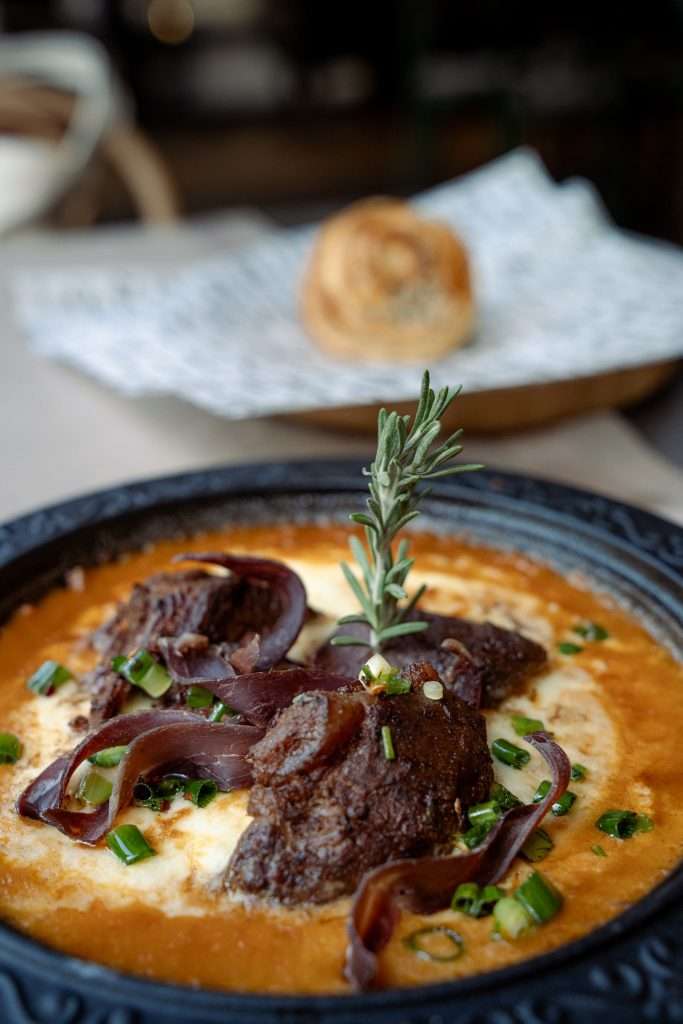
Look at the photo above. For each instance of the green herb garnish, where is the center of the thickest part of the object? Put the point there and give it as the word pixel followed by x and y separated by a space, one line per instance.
pixel 484 814
pixel 220 711
pixel 579 772
pixel 10 748
pixel 128 844
pixel 540 899
pixel 509 754
pixel 624 824
pixel 510 918
pixel 536 901
pixel 199 697
pixel 475 836
pixel 598 850
pixel 561 806
pixel 94 789
pixel 523 726
pixel 504 798
pixel 109 757
pixel 388 744
pixel 438 943
pixel 170 785
pixel 144 671
pixel 567 647
pixel 379 674
pixel 407 455
pixel 146 795
pixel 538 846
pixel 48 677
pixel 474 900
pixel 156 796
pixel 201 791
pixel 591 631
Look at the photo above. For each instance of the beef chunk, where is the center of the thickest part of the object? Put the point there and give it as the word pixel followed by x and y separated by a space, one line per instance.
pixel 483 657
pixel 169 604
pixel 109 693
pixel 328 804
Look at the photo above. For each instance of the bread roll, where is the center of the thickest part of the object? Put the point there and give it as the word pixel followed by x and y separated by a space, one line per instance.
pixel 386 284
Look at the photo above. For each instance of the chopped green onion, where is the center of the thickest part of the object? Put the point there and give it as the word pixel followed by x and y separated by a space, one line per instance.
pixel 144 671
pixel 128 844
pixel 623 824
pixel 201 791
pixel 48 677
pixel 542 791
pixel 484 814
pixel 395 684
pixel 538 846
pixel 511 919
pixel 438 944
pixel 465 896
pixel 508 753
pixel 476 901
pixel 579 772
pixel 219 711
pixel 523 726
pixel 388 744
pixel 504 798
pixel 540 899
pixel 377 672
pixel 199 697
pixel 475 836
pixel 94 789
pixel 170 785
pixel 567 647
pixel 598 850
pixel 560 807
pixel 109 757
pixel 146 796
pixel 10 748
pixel 564 804
pixel 155 796
pixel 591 631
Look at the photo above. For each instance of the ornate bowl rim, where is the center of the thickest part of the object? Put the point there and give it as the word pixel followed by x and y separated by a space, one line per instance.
pixel 629 969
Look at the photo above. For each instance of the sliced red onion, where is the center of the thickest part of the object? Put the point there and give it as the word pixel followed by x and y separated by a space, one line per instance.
pixel 195 665
pixel 275 638
pixel 255 695
pixel 169 739
pixel 426 884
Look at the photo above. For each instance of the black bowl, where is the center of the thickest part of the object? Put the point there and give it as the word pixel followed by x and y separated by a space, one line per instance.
pixel 629 970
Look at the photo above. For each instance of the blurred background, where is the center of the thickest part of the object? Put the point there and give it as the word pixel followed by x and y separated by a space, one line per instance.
pixel 116 114
pixel 297 106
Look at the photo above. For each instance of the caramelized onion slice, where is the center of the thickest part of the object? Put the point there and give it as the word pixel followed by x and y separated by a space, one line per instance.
pixel 255 695
pixel 276 637
pixel 172 740
pixel 426 884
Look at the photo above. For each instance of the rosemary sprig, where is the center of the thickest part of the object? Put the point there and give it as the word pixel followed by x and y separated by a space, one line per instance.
pixel 407 454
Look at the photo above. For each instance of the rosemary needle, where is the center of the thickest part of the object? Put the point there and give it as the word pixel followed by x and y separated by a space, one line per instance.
pixel 407 454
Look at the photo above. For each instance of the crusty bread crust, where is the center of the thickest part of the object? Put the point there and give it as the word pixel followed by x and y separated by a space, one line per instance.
pixel 386 284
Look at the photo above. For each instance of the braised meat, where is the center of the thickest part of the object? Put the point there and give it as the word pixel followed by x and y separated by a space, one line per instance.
pixel 109 693
pixel 483 657
pixel 169 604
pixel 328 803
